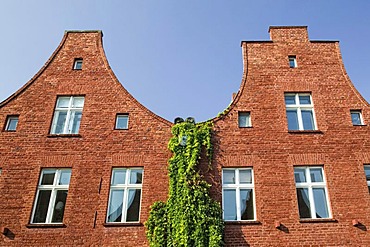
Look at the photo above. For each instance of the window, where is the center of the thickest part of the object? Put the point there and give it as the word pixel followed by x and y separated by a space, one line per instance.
pixel 367 174
pixel 237 194
pixel 356 117
pixel 77 64
pixel 244 119
pixel 67 115
pixel 292 61
pixel 125 195
pixel 1 171
pixel 51 196
pixel 299 111
pixel 121 121
pixel 312 195
pixel 11 123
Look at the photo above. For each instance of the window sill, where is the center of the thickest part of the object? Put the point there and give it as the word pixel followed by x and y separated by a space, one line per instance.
pixel 64 136
pixel 46 226
pixel 359 125
pixel 329 220
pixel 245 127
pixel 305 132
pixel 122 224
pixel 246 222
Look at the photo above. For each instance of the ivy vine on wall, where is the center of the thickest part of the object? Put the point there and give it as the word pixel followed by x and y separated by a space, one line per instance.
pixel 190 217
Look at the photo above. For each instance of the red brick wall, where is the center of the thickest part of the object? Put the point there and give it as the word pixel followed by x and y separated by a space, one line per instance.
pixel 91 156
pixel 267 146
pixel 272 151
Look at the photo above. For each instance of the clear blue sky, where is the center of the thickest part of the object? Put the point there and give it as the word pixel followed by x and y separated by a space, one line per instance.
pixel 178 58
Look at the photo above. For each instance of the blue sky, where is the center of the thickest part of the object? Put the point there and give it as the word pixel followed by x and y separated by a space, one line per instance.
pixel 178 58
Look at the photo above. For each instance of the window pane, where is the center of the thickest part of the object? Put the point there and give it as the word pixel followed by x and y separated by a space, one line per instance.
pixel 229 205
pixel 245 176
pixel 47 177
pixel 122 122
pixel 63 102
pixel 119 176
pixel 304 99
pixel 292 62
pixel 320 203
pixel 300 175
pixel 356 118
pixel 303 203
pixel 136 176
pixel 292 119
pixel 115 206
pixel 290 99
pixel 316 175
pixel 65 177
pixel 75 121
pixel 78 102
pixel 60 202
pixel 133 205
pixel 367 172
pixel 42 205
pixel 307 119
pixel 60 121
pixel 12 123
pixel 228 177
pixel 246 201
pixel 243 119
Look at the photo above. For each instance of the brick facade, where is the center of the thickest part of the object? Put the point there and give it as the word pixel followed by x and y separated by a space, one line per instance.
pixel 268 147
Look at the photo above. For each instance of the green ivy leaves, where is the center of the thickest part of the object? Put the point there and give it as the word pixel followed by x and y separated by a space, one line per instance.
pixel 190 217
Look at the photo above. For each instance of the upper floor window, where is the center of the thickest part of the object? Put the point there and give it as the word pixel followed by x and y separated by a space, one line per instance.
pixel 292 61
pixel 125 195
pixel 237 194
pixel 299 111
pixel 244 119
pixel 367 174
pixel 121 121
pixel 356 117
pixel 11 123
pixel 51 196
pixel 67 115
pixel 312 194
pixel 77 64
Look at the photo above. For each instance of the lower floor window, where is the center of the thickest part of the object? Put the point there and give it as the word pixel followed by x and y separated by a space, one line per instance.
pixel 238 194
pixel 367 174
pixel 312 195
pixel 125 195
pixel 51 196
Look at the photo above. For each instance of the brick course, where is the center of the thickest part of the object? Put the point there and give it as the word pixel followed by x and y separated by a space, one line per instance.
pixel 267 146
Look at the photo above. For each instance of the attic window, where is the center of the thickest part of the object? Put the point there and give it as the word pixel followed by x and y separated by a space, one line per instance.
pixel 77 64
pixel 11 123
pixel 292 61
pixel 122 121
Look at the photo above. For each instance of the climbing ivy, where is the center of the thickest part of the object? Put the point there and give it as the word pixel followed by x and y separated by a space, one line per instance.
pixel 190 217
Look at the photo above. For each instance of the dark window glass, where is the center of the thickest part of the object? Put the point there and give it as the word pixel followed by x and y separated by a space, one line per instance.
pixel 42 206
pixel 356 118
pixel 246 201
pixel 133 207
pixel 60 202
pixel 303 203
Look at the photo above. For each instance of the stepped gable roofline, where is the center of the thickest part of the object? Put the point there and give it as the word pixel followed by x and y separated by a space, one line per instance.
pixel 105 60
pixel 304 32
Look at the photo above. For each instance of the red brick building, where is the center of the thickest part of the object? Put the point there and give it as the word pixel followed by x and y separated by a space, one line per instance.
pixel 290 160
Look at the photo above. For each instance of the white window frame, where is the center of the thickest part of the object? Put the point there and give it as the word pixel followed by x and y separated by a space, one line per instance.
pixel 237 186
pixel 122 115
pixel 125 187
pixel 8 120
pixel 68 123
pixel 247 115
pixel 77 65
pixel 310 186
pixel 299 107
pixel 367 181
pixel 294 60
pixel 54 189
pixel 360 115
